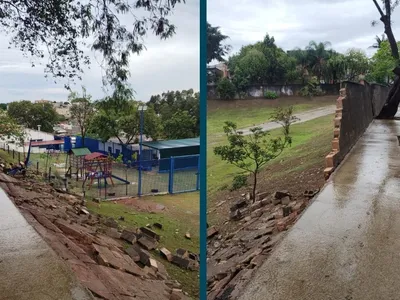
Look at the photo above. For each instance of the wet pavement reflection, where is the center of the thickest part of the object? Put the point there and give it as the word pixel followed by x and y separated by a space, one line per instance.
pixel 347 243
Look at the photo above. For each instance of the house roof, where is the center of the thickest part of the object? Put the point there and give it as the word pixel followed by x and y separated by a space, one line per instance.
pixel 47 143
pixel 95 155
pixel 171 144
pixel 80 151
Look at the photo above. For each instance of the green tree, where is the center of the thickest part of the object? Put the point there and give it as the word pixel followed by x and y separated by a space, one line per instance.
pixel 9 129
pixel 225 89
pixel 392 102
pixel 215 49
pixel 318 56
pixel 250 153
pixel 357 63
pixel 379 40
pixel 31 114
pixel 118 116
pixel 68 29
pixel 178 104
pixel 180 126
pixel 382 65
pixel 3 106
pixel 336 67
pixel 254 65
pixel 82 111
pixel 284 116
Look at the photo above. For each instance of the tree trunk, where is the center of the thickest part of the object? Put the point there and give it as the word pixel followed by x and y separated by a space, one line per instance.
pixel 254 187
pixel 390 108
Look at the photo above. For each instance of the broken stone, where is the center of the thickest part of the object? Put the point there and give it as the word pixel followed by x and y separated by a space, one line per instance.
pixel 182 253
pixel 121 218
pixel 144 255
pixel 129 236
pixel 193 256
pixel 113 233
pixel 187 236
pixel 147 243
pixel 150 233
pixel 158 225
pixel 84 211
pixel 285 200
pixel 133 254
pixel 166 254
pixel 110 222
pixel 239 204
pixel 153 264
pixel 211 231
pixel 281 194
pixel 180 261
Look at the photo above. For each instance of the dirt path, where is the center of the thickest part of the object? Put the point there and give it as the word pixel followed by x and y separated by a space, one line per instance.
pixel 303 117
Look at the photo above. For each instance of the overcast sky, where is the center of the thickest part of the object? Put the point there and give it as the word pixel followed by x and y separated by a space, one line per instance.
pixel 165 65
pixel 293 23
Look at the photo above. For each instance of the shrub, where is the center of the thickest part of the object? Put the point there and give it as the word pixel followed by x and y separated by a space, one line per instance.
pixel 312 89
pixel 238 182
pixel 270 95
pixel 225 89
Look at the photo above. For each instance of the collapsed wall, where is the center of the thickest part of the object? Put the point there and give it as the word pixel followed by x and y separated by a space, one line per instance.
pixel 358 104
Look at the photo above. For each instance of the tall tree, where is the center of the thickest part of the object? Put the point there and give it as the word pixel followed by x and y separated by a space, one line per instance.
pixel 392 102
pixel 318 57
pixel 118 116
pixel 31 114
pixel 215 49
pixel 82 111
pixel 9 129
pixel 379 40
pixel 357 63
pixel 382 65
pixel 65 30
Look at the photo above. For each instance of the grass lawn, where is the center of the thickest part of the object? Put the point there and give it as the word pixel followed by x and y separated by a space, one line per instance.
pixel 181 215
pixel 220 173
pixel 252 112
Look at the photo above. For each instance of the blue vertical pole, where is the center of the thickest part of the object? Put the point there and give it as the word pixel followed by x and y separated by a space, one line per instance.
pixel 140 154
pixel 171 175
pixel 198 174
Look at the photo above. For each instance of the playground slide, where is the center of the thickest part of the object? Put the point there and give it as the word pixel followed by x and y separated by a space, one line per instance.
pixel 120 179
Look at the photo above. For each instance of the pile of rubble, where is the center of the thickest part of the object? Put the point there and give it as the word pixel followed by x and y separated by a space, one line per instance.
pixel 93 246
pixel 232 258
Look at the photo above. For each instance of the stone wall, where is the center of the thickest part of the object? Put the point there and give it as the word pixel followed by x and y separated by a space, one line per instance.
pixel 257 91
pixel 358 104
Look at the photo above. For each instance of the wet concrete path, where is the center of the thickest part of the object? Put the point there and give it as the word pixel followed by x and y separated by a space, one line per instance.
pixel 29 268
pixel 346 246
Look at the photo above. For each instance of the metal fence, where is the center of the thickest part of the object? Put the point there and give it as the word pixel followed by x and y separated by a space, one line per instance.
pixel 167 175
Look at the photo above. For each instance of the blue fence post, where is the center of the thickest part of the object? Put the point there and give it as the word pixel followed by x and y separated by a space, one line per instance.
pixel 140 177
pixel 198 173
pixel 171 175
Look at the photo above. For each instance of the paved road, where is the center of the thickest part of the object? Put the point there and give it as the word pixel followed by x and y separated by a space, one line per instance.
pixel 29 269
pixel 303 117
pixel 347 244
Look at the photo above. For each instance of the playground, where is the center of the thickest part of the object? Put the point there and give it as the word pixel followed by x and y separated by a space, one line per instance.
pixel 103 176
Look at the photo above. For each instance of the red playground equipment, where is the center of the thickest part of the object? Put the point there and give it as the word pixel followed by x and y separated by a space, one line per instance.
pixel 97 166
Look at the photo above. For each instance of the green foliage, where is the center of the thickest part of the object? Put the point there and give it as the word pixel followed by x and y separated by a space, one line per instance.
pixel 3 106
pixel 357 64
pixel 284 116
pixel 9 129
pixel 118 116
pixel 270 95
pixel 250 153
pixel 82 111
pixel 382 65
pixel 312 89
pixel 179 112
pixel 215 49
pixel 225 89
pixel 31 115
pixel 238 182
pixel 68 29
pixel 119 158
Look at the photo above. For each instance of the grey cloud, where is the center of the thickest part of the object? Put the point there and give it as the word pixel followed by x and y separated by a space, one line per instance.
pixel 171 64
pixel 293 23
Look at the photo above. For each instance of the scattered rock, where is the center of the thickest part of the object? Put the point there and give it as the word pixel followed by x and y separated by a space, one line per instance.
pixel 129 236
pixel 211 232
pixel 281 194
pixel 285 200
pixel 187 236
pixel 182 253
pixel 166 254
pixel 121 218
pixel 110 222
pixel 158 225
pixel 150 233
pixel 147 243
